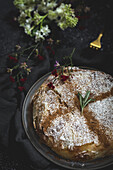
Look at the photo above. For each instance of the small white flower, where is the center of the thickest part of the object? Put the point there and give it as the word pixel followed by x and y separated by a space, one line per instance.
pixel 27 26
pixel 45 30
pixel 38 36
pixel 41 34
pixel 27 29
pixel 22 6
pixel 22 14
pixel 28 21
pixel 44 6
pixel 60 9
pixel 51 5
pixel 52 15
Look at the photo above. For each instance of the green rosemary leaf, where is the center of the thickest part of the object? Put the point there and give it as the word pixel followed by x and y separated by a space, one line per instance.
pixel 80 98
pixel 82 110
pixel 84 101
pixel 86 97
pixel 88 101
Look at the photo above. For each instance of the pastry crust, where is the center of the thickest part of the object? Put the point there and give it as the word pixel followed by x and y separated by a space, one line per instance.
pixel 58 120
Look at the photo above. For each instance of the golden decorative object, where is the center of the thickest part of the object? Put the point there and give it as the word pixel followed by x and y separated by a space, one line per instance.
pixel 96 44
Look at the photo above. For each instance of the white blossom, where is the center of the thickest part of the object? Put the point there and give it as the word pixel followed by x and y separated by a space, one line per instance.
pixel 60 9
pixel 45 30
pixel 27 29
pixel 35 13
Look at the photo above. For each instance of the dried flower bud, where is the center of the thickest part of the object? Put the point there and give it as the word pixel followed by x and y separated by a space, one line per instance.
pixel 9 70
pixel 64 78
pixel 21 88
pixel 54 72
pixel 12 79
pixel 28 70
pixel 50 41
pixel 24 65
pixel 50 85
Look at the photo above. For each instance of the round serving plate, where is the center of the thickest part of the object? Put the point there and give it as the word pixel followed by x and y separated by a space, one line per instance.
pixel 27 119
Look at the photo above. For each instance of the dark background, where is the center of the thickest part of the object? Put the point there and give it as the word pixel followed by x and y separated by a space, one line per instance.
pixel 101 18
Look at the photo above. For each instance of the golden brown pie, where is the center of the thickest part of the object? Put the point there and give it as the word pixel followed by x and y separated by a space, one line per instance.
pixel 58 120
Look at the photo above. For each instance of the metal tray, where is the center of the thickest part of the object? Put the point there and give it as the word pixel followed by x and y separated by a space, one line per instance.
pixel 27 119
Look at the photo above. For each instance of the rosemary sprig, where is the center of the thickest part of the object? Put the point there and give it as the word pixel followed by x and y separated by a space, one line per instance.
pixel 84 100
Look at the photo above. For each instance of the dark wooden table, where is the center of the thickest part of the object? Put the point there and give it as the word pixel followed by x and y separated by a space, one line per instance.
pixel 11 34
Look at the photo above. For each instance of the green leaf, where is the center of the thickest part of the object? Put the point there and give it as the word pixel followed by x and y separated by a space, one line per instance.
pixel 84 101
pixel 86 97
pixel 80 98
pixel 88 101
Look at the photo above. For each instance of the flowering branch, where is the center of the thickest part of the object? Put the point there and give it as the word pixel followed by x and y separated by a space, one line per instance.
pixel 61 72
pixel 32 52
pixel 36 16
pixel 19 71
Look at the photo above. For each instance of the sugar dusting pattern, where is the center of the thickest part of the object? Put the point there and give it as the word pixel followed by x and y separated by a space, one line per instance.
pixel 71 130
pixel 94 81
pixel 103 112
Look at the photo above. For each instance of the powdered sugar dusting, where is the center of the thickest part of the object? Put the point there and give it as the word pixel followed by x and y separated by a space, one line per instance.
pixel 103 112
pixel 67 94
pixel 71 130
pixel 94 81
pixel 47 104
